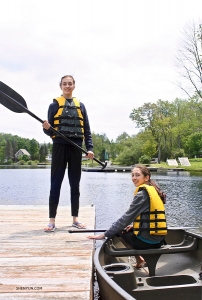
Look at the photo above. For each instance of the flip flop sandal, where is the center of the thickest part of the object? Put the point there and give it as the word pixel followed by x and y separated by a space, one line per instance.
pixel 51 228
pixel 79 225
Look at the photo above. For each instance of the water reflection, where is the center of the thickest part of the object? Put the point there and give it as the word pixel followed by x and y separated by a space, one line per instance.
pixel 184 200
pixel 111 193
pixel 183 190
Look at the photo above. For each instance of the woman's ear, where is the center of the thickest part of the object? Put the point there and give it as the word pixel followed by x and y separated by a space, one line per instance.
pixel 146 178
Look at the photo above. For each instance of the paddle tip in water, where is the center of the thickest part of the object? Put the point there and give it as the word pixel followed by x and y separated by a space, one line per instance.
pixel 104 165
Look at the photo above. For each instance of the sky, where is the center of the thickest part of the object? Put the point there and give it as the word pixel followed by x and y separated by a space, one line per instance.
pixel 121 53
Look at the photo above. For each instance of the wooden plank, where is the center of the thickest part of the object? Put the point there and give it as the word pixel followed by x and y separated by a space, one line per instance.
pixel 48 296
pixel 39 265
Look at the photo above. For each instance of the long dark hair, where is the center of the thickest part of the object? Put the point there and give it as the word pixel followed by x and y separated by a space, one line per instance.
pixel 146 172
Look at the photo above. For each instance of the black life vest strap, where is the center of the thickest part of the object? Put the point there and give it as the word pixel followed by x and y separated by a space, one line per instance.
pixel 152 229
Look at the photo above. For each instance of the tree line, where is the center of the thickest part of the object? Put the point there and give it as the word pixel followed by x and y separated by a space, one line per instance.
pixel 10 144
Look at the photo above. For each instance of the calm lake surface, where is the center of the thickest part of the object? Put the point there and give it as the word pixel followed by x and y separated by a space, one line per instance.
pixel 111 193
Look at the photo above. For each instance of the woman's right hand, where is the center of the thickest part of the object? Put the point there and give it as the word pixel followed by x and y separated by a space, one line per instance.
pixel 46 125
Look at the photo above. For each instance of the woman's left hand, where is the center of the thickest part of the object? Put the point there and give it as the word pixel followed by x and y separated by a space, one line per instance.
pixel 128 228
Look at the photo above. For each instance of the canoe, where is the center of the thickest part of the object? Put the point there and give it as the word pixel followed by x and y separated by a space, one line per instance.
pixel 172 272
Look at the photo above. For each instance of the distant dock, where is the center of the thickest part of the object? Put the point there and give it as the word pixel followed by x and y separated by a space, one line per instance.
pixel 38 265
pixel 127 169
pixel 107 169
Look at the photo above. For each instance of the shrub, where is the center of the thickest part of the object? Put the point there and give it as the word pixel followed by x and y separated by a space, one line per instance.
pixel 144 159
pixel 9 162
pixel 178 153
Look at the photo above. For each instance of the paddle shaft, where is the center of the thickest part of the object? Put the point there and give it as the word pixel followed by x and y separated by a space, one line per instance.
pixel 24 109
pixel 86 230
pixel 103 230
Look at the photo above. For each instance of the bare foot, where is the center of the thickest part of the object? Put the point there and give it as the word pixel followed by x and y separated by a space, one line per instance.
pixel 140 265
pixel 140 262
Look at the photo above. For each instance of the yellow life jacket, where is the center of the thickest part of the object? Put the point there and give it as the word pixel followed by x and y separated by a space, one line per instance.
pixel 69 119
pixel 157 220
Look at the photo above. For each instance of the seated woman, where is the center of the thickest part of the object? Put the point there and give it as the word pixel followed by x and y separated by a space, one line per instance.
pixel 146 213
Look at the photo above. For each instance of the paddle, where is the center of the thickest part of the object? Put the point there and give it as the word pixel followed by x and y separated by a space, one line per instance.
pixel 86 230
pixel 103 230
pixel 16 103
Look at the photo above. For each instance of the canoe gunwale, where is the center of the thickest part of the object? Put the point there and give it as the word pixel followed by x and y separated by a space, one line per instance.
pixel 100 271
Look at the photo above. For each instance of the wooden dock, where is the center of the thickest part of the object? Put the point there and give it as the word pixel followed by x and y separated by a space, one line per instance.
pixel 39 265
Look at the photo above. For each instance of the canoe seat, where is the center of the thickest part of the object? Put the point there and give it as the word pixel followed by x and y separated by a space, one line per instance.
pixel 151 256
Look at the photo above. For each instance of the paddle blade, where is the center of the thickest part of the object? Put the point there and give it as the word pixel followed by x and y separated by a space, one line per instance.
pixel 11 103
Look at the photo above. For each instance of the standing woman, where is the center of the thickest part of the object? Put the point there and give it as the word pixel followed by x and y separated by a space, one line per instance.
pixel 69 116
pixel 146 213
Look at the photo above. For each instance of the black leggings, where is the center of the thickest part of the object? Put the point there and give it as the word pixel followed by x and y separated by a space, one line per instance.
pixel 61 155
pixel 131 239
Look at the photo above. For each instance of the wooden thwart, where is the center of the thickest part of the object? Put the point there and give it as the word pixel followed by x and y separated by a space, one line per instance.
pixel 39 265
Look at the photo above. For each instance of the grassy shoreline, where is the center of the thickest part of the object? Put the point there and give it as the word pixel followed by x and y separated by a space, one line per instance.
pixel 196 165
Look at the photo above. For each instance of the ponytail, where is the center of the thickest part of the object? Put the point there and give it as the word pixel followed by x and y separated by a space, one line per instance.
pixel 161 194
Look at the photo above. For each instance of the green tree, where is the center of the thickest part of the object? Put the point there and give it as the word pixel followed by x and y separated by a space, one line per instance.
pixel 121 141
pixel 113 153
pixel 129 151
pixel 149 145
pixel 156 118
pixel 43 152
pixel 9 142
pixel 180 122
pixel 34 149
pixel 21 144
pixel 145 159
pixel 122 137
pixel 25 157
pixel 101 145
pixel 14 145
pixel 50 147
pixel 9 155
pixel 194 144
pixel 2 148
pixel 186 119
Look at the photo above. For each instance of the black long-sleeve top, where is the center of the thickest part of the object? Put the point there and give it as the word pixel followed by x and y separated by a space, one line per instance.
pixel 53 108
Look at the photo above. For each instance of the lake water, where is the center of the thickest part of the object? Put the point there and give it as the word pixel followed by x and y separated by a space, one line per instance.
pixel 111 193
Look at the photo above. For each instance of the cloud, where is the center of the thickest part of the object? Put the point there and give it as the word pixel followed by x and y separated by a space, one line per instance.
pixel 120 53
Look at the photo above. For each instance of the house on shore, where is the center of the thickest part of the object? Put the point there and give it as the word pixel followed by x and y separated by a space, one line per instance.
pixel 22 152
